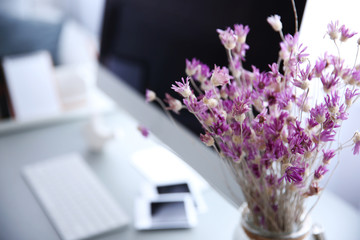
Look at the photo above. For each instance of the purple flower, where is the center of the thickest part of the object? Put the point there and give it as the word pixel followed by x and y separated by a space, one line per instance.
pixel 299 141
pixel 355 78
pixel 261 81
pixel 356 140
pixel 183 87
pixel 345 33
pixel 332 102
pixel 271 97
pixel 279 149
pixel 220 126
pixel 274 70
pixel 328 155
pixel 320 65
pixel 220 76
pixel 174 104
pixel 333 30
pixel 143 130
pixel 319 173
pixel 192 67
pixel 203 74
pixel 285 98
pixel 259 121
pixel 241 32
pixel 228 38
pixel 256 170
pixel 349 94
pixel 318 113
pixel 288 45
pixel 241 49
pixel 266 160
pixel 301 56
pixel 227 151
pixel 194 105
pixel 275 125
pixel 207 139
pixel 240 106
pixel 271 180
pixel 232 90
pixel 227 105
pixel 293 174
pixel 342 114
pixel 329 123
pixel 312 123
pixel 327 135
pixel 329 82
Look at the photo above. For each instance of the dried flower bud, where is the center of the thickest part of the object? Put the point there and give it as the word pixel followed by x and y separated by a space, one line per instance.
pixel 307 154
pixel 288 106
pixel 209 121
pixel 333 30
pixel 275 22
pixel 220 76
pixel 358 41
pixel 334 109
pixel 356 137
pixel 306 107
pixel 305 84
pixel 192 67
pixel 212 102
pixel 240 118
pixel 228 38
pixel 207 139
pixel 223 94
pixel 314 189
pixel 150 95
pixel 320 119
pixel 183 87
pixel 236 139
pixel 143 130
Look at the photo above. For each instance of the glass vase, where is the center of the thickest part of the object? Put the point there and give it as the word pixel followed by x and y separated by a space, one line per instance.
pixel 245 230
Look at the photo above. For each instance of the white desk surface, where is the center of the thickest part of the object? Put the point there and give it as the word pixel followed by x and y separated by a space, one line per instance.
pixel 21 217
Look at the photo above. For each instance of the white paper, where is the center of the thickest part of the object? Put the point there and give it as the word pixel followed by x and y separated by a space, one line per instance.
pixel 159 165
pixel 31 83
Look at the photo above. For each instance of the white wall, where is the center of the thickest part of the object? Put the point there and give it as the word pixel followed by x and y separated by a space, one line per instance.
pixel 86 12
pixel 318 13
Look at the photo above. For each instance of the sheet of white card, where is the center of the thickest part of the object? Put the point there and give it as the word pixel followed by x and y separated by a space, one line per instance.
pixel 318 13
pixel 30 79
pixel 160 165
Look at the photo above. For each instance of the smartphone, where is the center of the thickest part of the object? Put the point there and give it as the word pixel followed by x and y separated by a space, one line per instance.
pixel 166 212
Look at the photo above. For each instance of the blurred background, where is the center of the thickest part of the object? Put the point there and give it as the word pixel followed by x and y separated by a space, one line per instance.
pixel 71 31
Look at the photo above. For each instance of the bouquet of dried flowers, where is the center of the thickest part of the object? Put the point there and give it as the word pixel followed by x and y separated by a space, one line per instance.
pixel 275 140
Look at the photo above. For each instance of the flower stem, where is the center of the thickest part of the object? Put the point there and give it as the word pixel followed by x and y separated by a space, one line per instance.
pixel 295 16
pixel 195 86
pixel 166 110
pixel 357 53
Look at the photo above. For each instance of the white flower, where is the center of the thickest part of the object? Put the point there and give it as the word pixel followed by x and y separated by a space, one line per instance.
pixel 150 95
pixel 275 22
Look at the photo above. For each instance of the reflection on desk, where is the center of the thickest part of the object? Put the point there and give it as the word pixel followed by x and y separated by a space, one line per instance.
pixel 21 217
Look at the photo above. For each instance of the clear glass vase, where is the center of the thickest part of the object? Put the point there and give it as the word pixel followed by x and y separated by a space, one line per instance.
pixel 247 231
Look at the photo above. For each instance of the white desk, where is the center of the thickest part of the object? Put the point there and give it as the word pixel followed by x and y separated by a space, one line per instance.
pixel 21 217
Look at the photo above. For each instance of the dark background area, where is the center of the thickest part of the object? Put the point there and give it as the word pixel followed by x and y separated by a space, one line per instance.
pixel 146 42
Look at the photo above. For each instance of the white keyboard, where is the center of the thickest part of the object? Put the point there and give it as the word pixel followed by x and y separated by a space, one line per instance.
pixel 73 198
